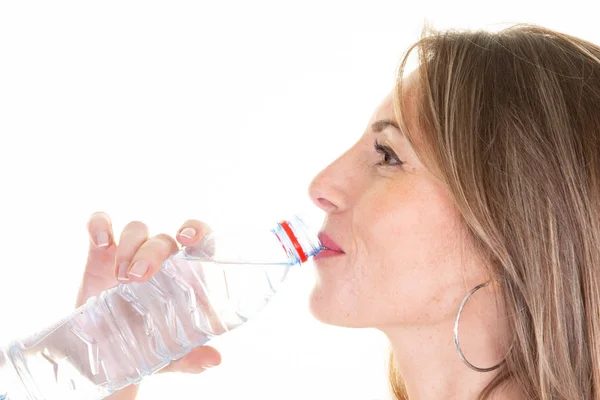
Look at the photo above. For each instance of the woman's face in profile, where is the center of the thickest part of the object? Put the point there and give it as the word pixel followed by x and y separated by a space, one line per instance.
pixel 406 260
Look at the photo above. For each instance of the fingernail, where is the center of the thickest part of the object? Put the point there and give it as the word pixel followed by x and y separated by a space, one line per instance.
pixel 139 269
pixel 210 365
pixel 188 233
pixel 102 239
pixel 122 271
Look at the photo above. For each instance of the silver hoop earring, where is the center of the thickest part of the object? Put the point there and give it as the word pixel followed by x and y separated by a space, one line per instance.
pixel 460 353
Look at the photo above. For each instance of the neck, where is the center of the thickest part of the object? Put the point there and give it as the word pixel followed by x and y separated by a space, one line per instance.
pixel 427 359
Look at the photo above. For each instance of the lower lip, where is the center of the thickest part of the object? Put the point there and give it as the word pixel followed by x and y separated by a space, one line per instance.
pixel 327 254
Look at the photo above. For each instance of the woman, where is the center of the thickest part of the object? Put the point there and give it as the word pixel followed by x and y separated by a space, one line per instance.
pixel 467 218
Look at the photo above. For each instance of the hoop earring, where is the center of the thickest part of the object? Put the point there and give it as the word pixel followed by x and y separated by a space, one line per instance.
pixel 460 353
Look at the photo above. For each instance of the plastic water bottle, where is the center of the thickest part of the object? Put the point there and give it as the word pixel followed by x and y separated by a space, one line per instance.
pixel 133 330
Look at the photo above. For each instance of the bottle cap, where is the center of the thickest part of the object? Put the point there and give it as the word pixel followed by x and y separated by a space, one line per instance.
pixel 297 246
pixel 298 239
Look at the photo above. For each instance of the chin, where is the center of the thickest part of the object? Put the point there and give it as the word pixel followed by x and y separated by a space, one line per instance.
pixel 329 310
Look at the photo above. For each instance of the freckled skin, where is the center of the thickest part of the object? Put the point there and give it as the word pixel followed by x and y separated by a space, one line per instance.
pixel 399 229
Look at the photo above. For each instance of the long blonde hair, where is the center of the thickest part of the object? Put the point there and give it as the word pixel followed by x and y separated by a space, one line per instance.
pixel 511 124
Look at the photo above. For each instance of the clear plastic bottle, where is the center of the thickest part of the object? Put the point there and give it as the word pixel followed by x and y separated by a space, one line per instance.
pixel 133 330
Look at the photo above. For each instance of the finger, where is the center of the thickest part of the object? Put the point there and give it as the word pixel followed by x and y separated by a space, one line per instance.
pixel 97 275
pixel 102 247
pixel 133 236
pixel 192 232
pixel 150 256
pixel 198 360
pixel 100 229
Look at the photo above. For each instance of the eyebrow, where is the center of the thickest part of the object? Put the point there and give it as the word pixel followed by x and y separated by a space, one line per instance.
pixel 380 125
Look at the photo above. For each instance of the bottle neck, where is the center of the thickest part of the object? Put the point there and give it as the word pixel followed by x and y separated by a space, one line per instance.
pixel 298 241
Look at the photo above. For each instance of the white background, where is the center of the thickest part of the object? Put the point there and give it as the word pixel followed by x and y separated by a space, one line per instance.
pixel 216 110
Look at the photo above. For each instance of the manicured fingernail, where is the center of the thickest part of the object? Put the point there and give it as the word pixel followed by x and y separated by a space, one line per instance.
pixel 122 271
pixel 139 269
pixel 102 239
pixel 188 233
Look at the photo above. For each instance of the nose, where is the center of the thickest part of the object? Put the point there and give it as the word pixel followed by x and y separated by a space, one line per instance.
pixel 328 191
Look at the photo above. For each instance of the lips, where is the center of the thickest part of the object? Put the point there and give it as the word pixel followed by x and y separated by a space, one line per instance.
pixel 328 243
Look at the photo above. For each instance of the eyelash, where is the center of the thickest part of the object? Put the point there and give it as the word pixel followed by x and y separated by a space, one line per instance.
pixel 387 152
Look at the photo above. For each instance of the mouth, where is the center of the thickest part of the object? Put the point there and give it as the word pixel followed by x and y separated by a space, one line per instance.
pixel 330 248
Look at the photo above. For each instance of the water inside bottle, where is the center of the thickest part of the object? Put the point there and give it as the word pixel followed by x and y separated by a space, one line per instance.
pixel 135 330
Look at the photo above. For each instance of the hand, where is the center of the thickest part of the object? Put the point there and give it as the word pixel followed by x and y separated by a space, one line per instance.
pixel 109 264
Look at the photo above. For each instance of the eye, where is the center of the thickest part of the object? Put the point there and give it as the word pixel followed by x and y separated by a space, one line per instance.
pixel 389 158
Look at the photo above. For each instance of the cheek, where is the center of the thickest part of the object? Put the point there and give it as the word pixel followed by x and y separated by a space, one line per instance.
pixel 412 218
pixel 412 247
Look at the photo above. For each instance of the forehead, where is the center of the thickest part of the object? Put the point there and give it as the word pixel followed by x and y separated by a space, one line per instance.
pixel 385 109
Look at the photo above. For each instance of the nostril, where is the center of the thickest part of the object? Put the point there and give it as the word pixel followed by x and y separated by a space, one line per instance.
pixel 325 204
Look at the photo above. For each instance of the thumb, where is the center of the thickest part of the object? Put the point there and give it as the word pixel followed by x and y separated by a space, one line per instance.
pixel 196 361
